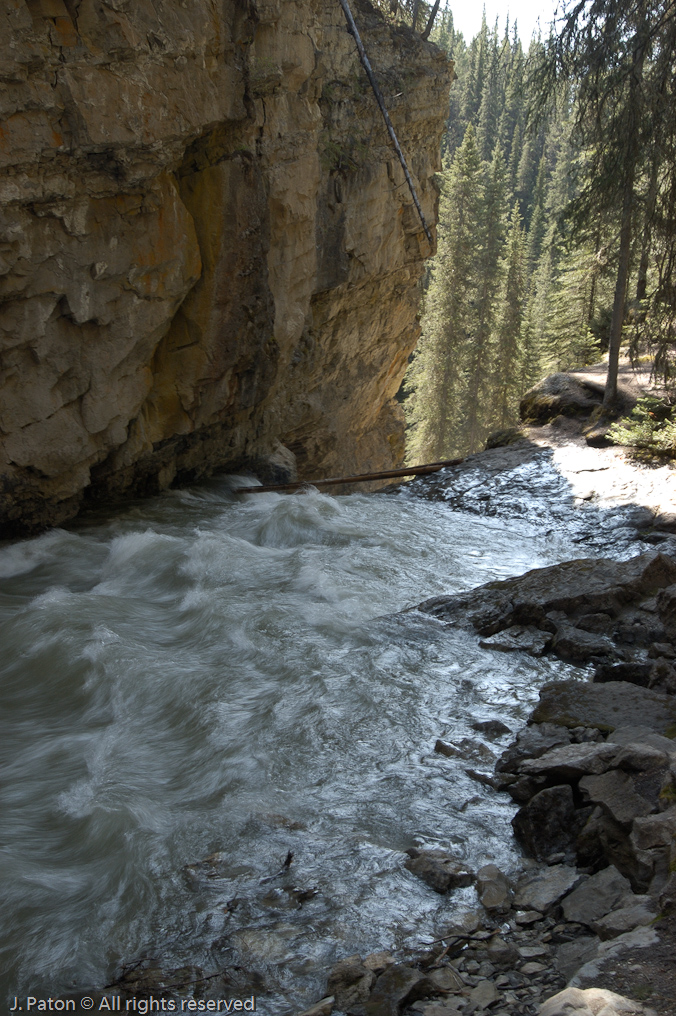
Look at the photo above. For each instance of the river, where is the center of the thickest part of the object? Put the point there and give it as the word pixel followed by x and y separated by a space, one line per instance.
pixel 197 685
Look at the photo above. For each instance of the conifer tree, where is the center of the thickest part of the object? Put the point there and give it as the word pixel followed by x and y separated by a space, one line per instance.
pixel 436 376
pixel 506 379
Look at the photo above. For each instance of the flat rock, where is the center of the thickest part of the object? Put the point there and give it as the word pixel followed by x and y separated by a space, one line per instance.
pixel 605 706
pixel 526 917
pixel 532 952
pixel 618 922
pixel 572 955
pixel 592 1002
pixel 634 673
pixel 596 897
pixel 571 761
pixel 532 968
pixel 446 979
pixel 439 870
pixel 642 735
pixel 532 742
pixel 493 887
pixel 483 995
pixel 610 952
pixel 542 891
pixel 519 637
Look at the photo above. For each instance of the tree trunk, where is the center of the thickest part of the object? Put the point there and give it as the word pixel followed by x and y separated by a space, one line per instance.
pixel 610 394
pixel 430 23
pixel 651 201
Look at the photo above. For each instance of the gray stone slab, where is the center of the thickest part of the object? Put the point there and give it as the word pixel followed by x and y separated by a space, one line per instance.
pixel 606 706
pixel 596 897
pixel 642 735
pixel 571 761
pixel 546 888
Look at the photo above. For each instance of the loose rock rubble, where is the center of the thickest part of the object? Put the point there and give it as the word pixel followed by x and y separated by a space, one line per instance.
pixel 594 776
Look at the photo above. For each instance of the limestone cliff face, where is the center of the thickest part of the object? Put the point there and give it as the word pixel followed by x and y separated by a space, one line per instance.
pixel 207 248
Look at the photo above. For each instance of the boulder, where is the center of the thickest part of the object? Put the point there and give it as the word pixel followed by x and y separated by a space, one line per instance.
pixel 491 728
pixel 590 585
pixel 571 761
pixel 544 890
pixel 634 673
pixel 446 979
pixel 606 706
pixel 599 622
pixel 377 961
pixel 654 831
pixel 592 1002
pixel 350 983
pixel 549 823
pixel 632 788
pixel 397 986
pixel 662 677
pixel 618 922
pixel 501 954
pixel 642 735
pixel 439 870
pixel 578 646
pixel 596 897
pixel 560 395
pixel 616 794
pixel 494 889
pixel 531 742
pixel 570 956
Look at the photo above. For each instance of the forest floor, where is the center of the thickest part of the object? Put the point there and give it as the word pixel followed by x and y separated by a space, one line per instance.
pixel 610 474
pixel 606 474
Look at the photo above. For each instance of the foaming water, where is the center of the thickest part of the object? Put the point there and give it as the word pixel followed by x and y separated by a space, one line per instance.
pixel 202 684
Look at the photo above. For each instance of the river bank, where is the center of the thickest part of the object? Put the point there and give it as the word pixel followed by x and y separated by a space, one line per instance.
pixel 592 905
pixel 217 682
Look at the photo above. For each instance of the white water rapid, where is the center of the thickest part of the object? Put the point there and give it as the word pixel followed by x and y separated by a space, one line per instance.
pixel 205 674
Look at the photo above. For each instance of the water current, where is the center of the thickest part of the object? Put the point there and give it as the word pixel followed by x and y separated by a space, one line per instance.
pixel 195 686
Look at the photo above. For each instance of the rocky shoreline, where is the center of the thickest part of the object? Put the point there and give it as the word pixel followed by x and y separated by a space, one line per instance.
pixel 592 910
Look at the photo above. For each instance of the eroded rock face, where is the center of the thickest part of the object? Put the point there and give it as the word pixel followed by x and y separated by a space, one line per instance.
pixel 206 247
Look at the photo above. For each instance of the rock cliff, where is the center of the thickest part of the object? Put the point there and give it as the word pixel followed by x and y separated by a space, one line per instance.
pixel 209 258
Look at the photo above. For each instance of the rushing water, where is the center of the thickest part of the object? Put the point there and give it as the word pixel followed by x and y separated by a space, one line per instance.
pixel 203 683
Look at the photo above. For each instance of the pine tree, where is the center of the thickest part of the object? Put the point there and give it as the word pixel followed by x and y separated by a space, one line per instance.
pixel 435 377
pixel 506 377
pixel 473 407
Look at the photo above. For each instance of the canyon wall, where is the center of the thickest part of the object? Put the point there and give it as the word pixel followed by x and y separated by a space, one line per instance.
pixel 209 258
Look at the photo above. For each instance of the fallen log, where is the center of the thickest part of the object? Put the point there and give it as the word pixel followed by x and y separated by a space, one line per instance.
pixel 388 474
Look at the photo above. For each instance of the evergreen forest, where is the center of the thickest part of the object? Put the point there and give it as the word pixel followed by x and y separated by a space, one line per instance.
pixel 557 219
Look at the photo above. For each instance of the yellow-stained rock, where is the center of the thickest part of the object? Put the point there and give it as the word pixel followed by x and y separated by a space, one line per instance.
pixel 207 246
